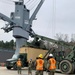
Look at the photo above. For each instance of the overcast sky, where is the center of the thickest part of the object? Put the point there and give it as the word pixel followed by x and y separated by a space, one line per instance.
pixel 55 16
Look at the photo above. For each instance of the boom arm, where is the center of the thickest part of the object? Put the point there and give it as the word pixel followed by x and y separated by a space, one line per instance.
pixel 5 18
pixel 11 23
pixel 36 11
pixel 54 41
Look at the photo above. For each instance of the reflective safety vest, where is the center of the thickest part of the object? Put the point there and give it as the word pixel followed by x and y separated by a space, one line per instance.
pixel 19 63
pixel 39 64
pixel 52 64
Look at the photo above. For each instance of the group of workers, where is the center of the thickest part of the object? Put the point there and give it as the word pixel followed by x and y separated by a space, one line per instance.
pixel 40 65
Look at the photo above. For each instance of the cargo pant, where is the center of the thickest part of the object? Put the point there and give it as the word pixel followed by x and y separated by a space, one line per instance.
pixel 38 72
pixel 19 70
pixel 51 72
pixel 29 70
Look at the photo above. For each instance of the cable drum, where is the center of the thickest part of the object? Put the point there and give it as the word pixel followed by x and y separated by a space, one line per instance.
pixel 66 66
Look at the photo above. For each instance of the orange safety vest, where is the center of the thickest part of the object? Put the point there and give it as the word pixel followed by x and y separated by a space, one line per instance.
pixel 39 64
pixel 19 63
pixel 52 64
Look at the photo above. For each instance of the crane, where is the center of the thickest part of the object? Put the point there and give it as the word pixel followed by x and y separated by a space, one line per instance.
pixel 20 23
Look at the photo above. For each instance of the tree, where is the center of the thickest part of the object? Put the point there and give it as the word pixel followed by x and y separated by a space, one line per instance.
pixel 59 37
pixel 7 45
pixel 73 38
pixel 1 44
pixel 12 44
pixel 62 37
pixel 66 38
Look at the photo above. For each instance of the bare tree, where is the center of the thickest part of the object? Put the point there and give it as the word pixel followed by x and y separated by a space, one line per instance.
pixel 73 38
pixel 62 37
pixel 66 38
pixel 59 36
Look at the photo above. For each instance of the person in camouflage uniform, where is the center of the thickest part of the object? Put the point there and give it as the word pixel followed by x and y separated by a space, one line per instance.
pixel 39 65
pixel 19 65
pixel 30 67
pixel 51 65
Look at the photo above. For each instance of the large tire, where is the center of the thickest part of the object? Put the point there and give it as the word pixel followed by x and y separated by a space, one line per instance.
pixel 8 67
pixel 66 67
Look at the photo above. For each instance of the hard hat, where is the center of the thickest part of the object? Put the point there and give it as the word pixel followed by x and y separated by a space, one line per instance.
pixel 51 55
pixel 40 55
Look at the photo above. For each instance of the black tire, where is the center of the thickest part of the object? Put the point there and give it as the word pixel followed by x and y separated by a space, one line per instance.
pixel 15 67
pixel 66 67
pixel 8 67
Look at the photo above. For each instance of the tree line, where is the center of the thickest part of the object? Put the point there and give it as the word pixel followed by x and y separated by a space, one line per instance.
pixel 59 37
pixel 7 45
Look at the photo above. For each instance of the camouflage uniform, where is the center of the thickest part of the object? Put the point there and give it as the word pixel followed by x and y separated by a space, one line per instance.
pixel 19 69
pixel 30 67
pixel 39 72
pixel 19 66
pixel 50 72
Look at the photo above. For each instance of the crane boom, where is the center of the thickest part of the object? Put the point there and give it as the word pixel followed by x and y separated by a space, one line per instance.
pixel 5 18
pixel 36 11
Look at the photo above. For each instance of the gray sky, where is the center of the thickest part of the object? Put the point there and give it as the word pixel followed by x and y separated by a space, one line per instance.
pixel 55 16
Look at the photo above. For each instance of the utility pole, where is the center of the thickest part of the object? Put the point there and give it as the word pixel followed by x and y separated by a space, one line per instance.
pixel 20 23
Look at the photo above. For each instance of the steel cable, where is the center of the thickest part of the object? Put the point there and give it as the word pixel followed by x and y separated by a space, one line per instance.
pixel 32 4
